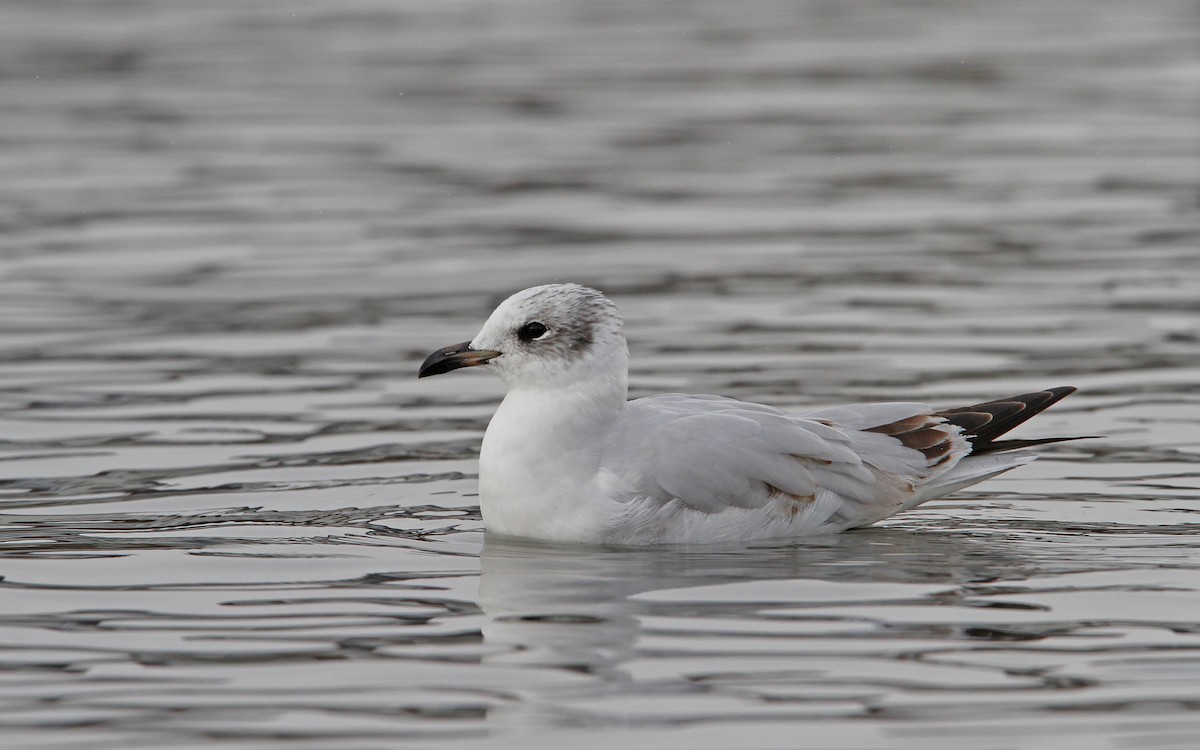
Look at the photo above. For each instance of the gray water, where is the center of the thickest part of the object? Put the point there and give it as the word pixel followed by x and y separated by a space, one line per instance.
pixel 229 232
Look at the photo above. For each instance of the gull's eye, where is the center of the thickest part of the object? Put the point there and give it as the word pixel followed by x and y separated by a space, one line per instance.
pixel 531 331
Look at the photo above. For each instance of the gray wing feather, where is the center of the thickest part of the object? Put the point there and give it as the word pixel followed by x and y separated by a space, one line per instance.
pixel 866 416
pixel 714 461
pixel 712 453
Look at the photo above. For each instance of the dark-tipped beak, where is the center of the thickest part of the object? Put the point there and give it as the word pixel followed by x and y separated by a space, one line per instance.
pixel 454 357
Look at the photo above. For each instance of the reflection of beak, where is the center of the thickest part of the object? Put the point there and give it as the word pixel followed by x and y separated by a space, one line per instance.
pixel 454 357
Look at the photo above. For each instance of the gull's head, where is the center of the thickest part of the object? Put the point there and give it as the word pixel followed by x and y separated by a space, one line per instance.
pixel 545 336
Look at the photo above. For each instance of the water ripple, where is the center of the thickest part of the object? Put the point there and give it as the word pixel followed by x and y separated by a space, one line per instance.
pixel 230 515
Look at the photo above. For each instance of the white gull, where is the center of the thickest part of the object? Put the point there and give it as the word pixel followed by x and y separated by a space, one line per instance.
pixel 568 457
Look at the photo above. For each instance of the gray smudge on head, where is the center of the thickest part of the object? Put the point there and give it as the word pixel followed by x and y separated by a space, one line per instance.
pixel 577 315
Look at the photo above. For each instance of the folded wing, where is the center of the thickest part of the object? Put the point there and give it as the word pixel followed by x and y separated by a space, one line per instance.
pixel 848 466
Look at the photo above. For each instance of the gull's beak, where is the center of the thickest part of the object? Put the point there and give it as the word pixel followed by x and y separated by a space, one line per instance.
pixel 454 357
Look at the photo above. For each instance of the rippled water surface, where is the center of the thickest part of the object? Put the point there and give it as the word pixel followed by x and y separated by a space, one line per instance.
pixel 229 232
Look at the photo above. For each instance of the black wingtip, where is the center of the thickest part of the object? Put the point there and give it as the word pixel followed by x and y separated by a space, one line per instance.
pixel 985 422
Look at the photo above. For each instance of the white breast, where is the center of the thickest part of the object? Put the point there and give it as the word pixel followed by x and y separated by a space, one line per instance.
pixel 538 468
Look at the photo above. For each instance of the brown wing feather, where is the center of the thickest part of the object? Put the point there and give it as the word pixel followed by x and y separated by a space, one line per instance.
pixel 924 432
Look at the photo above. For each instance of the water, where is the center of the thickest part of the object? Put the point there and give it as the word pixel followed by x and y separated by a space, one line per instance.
pixel 229 232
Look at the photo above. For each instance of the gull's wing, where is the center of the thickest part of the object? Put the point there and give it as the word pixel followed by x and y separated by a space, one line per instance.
pixel 709 453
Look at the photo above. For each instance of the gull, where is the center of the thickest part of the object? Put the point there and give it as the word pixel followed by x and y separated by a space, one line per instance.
pixel 569 458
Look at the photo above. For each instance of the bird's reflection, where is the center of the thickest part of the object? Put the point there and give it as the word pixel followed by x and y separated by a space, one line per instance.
pixel 570 606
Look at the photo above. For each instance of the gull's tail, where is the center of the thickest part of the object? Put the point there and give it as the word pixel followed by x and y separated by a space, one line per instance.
pixel 981 425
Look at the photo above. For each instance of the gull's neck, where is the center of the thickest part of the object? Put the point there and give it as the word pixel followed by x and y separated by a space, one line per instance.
pixel 565 412
pixel 557 416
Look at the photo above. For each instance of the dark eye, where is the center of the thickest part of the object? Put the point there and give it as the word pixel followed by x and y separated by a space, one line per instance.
pixel 531 331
